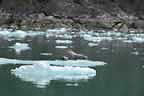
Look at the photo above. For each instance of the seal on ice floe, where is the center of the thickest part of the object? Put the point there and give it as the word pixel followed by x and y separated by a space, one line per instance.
pixel 70 54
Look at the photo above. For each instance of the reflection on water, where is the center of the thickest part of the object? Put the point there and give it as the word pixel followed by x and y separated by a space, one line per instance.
pixel 121 76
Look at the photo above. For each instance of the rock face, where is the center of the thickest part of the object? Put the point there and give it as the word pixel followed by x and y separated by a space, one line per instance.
pixel 72 7
pixel 69 12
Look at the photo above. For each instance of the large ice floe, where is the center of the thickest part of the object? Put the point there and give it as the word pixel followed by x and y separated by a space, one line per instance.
pixel 74 63
pixel 42 74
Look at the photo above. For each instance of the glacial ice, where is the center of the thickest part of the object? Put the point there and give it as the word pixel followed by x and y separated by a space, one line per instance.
pixel 65 33
pixel 93 44
pixel 61 47
pixel 63 41
pixel 20 47
pixel 42 74
pixel 46 54
pixel 76 63
pixel 57 30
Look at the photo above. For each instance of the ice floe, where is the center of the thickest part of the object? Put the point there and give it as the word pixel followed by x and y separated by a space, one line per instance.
pixel 61 47
pixel 72 84
pixel 63 41
pixel 93 44
pixel 57 30
pixel 65 33
pixel 135 53
pixel 46 54
pixel 20 47
pixel 42 74
pixel 138 39
pixel 76 63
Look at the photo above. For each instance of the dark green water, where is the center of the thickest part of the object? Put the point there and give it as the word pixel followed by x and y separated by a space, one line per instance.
pixel 122 76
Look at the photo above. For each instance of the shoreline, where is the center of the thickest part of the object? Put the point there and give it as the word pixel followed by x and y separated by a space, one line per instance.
pixel 39 21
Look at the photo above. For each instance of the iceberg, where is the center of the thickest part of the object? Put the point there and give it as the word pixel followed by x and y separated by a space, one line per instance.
pixel 42 74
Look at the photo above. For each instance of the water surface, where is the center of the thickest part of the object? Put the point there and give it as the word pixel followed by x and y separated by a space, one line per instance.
pixel 121 76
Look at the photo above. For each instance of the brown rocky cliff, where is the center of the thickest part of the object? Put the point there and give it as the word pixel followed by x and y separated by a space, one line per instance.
pixel 72 7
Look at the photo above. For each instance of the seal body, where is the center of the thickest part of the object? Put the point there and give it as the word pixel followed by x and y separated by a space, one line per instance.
pixel 69 54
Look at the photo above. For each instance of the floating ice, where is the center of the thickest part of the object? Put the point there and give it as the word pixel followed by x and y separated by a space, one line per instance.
pixel 96 39
pixel 103 48
pixel 76 63
pixel 42 74
pixel 91 36
pixel 57 30
pixel 46 54
pixel 65 36
pixel 138 39
pixel 135 53
pixel 16 61
pixel 80 63
pixel 64 41
pixel 61 47
pixel 72 84
pixel 20 47
pixel 17 34
pixel 93 44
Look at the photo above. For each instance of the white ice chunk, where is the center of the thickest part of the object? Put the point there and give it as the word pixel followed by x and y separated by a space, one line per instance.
pixel 20 47
pixel 135 53
pixel 93 44
pixel 42 74
pixel 61 47
pixel 96 39
pixel 46 54
pixel 103 48
pixel 18 34
pixel 63 41
pixel 72 84
pixel 138 39
pixel 57 30
pixel 15 61
pixel 80 63
pixel 77 63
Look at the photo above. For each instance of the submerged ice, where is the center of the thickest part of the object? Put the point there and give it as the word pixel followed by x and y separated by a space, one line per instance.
pixel 42 74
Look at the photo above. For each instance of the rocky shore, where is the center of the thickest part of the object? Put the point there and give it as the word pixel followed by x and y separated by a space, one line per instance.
pixel 77 14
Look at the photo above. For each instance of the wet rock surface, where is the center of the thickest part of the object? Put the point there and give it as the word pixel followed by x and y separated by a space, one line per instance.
pixel 71 13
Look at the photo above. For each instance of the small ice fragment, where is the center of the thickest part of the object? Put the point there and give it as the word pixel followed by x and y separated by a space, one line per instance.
pixel 20 47
pixel 92 44
pixel 64 41
pixel 61 47
pixel 135 53
pixel 18 34
pixel 138 39
pixel 103 48
pixel 46 54
pixel 71 84
pixel 57 30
